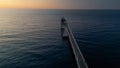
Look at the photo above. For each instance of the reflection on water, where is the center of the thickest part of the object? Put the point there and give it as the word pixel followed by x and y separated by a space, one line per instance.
pixel 31 38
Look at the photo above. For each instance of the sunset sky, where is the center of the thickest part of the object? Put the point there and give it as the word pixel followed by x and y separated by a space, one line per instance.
pixel 61 4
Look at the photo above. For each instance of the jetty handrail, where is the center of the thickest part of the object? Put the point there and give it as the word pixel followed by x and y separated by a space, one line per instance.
pixel 76 50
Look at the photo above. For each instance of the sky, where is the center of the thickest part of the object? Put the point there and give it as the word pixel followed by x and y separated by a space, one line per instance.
pixel 61 4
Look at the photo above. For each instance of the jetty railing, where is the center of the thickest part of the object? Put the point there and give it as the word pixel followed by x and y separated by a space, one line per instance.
pixel 81 63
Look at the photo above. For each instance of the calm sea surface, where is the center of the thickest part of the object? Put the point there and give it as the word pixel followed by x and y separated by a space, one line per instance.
pixel 31 38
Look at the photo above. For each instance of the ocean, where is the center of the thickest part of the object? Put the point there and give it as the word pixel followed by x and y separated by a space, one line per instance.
pixel 30 38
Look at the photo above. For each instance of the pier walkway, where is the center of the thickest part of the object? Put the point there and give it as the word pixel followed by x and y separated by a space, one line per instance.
pixel 65 27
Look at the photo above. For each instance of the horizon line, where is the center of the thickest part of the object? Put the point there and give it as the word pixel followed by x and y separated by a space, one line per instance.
pixel 66 8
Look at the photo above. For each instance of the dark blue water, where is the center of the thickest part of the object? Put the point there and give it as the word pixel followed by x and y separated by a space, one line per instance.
pixel 31 38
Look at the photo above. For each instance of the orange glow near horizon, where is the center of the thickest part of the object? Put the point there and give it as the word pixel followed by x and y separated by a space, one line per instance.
pixel 27 4
pixel 42 6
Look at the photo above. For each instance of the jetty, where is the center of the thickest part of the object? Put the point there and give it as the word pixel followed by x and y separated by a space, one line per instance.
pixel 79 58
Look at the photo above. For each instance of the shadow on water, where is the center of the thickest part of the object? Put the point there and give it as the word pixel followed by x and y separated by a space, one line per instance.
pixel 74 64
